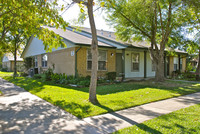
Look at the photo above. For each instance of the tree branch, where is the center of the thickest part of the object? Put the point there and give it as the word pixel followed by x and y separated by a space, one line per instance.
pixel 81 1
pixel 161 21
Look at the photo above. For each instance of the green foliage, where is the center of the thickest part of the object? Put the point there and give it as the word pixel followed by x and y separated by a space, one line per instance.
pixel 28 16
pixel 1 93
pixel 85 83
pixel 28 62
pixel 23 74
pixel 189 67
pixel 4 69
pixel 111 75
pixel 189 75
pixel 111 97
pixel 48 74
pixel 37 76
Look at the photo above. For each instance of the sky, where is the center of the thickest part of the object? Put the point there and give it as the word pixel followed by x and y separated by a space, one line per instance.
pixel 71 15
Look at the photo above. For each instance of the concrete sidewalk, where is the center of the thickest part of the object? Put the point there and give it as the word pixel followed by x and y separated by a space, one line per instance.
pixel 22 112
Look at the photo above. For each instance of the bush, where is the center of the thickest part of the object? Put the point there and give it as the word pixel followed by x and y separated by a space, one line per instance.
pixel 111 75
pixel 23 74
pixel 189 67
pixel 48 74
pixel 4 69
pixel 85 83
pixel 28 62
pixel 37 76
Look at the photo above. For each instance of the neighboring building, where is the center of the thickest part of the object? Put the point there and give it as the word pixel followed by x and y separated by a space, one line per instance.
pixel 132 60
pixel 8 62
pixel 193 60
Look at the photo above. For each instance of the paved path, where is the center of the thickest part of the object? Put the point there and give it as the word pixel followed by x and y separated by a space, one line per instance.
pixel 22 112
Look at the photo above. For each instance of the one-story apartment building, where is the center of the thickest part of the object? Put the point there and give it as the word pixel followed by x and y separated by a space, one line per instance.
pixel 8 62
pixel 131 60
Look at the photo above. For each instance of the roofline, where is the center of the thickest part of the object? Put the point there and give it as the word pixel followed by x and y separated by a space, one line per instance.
pixel 70 28
pixel 137 47
pixel 26 46
pixel 80 44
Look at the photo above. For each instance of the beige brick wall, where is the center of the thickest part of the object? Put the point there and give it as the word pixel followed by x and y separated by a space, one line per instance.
pixel 82 62
pixel 7 65
pixel 171 65
pixel 183 64
pixel 62 59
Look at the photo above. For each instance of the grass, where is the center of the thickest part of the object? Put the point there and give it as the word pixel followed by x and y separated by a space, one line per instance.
pixel 111 97
pixel 3 74
pixel 179 122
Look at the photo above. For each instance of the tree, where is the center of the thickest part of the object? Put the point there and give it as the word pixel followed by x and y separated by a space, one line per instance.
pixel 29 16
pixel 94 49
pixel 154 21
pixel 22 19
pixel 193 24
pixel 16 43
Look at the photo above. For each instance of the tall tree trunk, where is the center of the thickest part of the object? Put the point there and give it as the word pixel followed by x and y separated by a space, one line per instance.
pixel 94 50
pixel 15 61
pixel 160 73
pixel 198 68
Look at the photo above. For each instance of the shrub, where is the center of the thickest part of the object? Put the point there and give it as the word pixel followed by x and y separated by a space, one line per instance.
pixel 55 77
pixel 189 67
pixel 85 83
pixel 23 74
pixel 111 75
pixel 4 69
pixel 189 75
pixel 28 63
pixel 37 76
pixel 48 74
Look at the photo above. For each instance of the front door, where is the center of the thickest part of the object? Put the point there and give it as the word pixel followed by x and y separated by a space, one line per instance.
pixel 119 64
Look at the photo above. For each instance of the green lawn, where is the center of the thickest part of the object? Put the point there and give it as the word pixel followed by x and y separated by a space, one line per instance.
pixel 3 74
pixel 111 97
pixel 184 121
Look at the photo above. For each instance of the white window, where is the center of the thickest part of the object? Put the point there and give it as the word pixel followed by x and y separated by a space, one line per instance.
pixel 175 63
pixel 44 60
pixel 153 65
pixel 102 60
pixel 135 57
pixel 35 62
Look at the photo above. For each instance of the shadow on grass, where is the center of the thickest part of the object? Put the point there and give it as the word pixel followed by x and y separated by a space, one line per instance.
pixel 78 110
pixel 28 84
pixel 35 86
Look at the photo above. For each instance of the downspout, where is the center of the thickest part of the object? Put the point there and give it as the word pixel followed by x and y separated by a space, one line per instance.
pixel 76 71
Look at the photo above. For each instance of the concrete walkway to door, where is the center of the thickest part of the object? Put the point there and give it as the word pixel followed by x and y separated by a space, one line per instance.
pixel 22 112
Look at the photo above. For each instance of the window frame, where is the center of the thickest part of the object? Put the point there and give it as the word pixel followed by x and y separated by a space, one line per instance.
pixel 46 61
pixel 176 61
pixel 135 62
pixel 35 61
pixel 98 60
